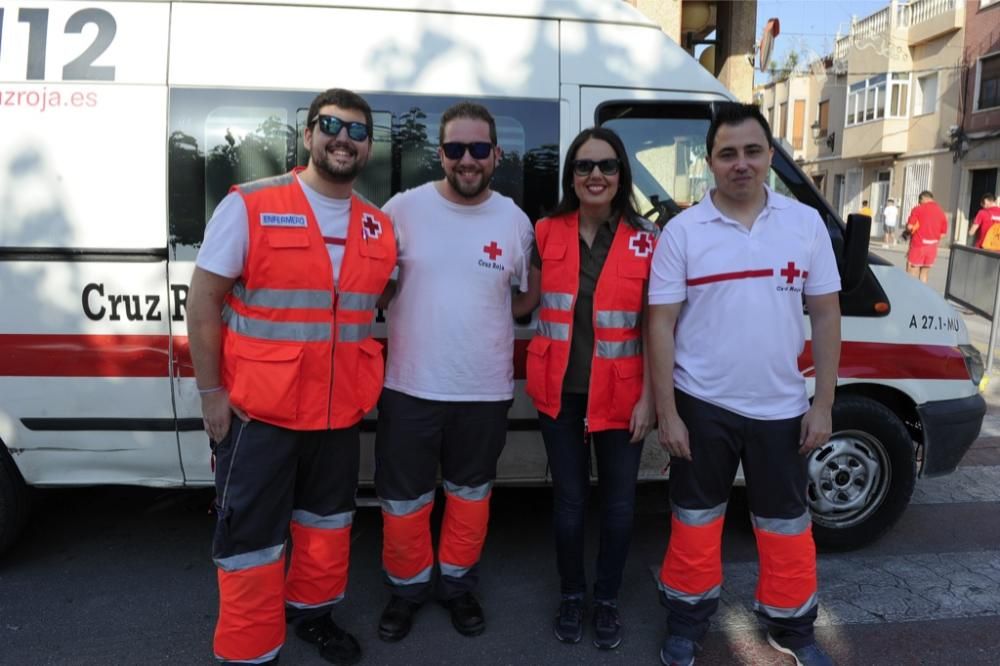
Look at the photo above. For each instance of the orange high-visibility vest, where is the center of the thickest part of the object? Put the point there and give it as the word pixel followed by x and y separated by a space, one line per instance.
pixel 296 351
pixel 616 369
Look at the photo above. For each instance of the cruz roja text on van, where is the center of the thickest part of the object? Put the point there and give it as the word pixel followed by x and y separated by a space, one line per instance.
pixel 134 307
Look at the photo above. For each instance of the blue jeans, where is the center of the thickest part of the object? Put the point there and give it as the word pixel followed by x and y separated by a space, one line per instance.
pixel 617 470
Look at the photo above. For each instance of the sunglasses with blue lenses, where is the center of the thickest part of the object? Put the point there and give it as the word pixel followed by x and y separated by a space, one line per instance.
pixel 608 167
pixel 332 125
pixel 479 150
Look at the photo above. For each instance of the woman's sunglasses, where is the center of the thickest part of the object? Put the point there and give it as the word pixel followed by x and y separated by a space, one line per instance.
pixel 332 125
pixel 608 167
pixel 479 150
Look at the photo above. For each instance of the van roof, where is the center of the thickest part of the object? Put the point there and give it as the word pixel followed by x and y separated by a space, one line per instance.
pixel 601 11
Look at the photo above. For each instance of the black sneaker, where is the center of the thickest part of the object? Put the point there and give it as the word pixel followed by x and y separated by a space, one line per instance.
pixel 607 625
pixel 568 625
pixel 397 619
pixel 466 614
pixel 335 645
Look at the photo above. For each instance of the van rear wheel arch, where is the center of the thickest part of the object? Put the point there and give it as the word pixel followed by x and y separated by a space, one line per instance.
pixel 14 500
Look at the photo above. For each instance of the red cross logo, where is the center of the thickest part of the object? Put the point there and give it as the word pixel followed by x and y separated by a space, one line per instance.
pixel 790 272
pixel 493 250
pixel 370 227
pixel 641 244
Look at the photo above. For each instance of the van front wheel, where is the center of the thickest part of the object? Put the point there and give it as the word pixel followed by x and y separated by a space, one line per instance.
pixel 861 480
pixel 14 500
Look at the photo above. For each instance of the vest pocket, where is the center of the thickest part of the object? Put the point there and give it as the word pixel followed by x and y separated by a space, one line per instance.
pixel 266 380
pixel 627 386
pixel 537 369
pixel 371 373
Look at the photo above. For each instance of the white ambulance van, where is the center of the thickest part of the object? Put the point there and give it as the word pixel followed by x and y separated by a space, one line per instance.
pixel 123 124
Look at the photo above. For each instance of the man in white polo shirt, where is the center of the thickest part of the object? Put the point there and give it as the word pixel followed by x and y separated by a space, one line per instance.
pixel 449 378
pixel 726 330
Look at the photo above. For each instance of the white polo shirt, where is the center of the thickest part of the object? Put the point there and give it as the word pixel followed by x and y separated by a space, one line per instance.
pixel 741 328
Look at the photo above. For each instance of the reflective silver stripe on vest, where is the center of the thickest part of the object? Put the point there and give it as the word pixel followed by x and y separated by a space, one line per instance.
pixel 699 517
pixel 406 507
pixel 274 330
pixel 553 330
pixel 422 577
pixel 334 521
pixel 298 604
pixel 453 571
pixel 470 493
pixel 350 300
pixel 284 298
pixel 687 597
pixel 617 319
pixel 623 349
pixel 775 612
pixel 786 526
pixel 256 558
pixel 262 659
pixel 353 332
pixel 555 300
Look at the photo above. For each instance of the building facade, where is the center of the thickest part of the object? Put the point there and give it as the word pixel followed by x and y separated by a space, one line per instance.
pixel 881 114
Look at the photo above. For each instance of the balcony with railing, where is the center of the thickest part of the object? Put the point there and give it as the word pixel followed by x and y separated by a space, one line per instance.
pixel 924 20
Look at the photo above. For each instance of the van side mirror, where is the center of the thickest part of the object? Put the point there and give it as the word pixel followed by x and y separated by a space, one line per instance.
pixel 855 251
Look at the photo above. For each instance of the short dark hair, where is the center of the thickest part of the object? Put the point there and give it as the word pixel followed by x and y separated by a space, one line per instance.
pixel 734 113
pixel 468 110
pixel 864 202
pixel 345 99
pixel 988 195
pixel 926 194
pixel 623 203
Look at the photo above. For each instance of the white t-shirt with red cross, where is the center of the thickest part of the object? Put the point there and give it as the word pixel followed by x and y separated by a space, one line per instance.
pixel 741 328
pixel 451 334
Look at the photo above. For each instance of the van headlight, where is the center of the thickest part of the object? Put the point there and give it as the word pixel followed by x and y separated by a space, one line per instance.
pixel 973 362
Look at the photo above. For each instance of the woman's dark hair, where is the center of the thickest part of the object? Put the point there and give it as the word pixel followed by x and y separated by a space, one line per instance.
pixel 623 204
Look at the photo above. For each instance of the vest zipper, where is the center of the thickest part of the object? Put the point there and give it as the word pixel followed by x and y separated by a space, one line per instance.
pixel 333 356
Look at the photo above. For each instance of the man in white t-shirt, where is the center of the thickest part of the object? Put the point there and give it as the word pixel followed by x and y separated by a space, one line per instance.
pixel 727 284
pixel 294 264
pixel 449 375
pixel 890 218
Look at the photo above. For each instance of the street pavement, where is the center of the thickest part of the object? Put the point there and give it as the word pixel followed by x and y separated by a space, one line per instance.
pixel 124 576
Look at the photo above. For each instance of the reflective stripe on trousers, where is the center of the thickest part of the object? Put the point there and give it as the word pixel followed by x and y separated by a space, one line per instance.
pixel 251 626
pixel 786 587
pixel 692 567
pixel 407 554
pixel 463 530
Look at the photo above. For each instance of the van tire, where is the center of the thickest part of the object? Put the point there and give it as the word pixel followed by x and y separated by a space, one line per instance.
pixel 14 501
pixel 860 481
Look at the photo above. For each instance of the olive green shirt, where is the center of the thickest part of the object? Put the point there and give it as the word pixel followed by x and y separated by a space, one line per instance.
pixel 581 346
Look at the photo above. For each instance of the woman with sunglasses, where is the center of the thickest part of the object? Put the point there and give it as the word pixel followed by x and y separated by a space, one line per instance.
pixel 585 368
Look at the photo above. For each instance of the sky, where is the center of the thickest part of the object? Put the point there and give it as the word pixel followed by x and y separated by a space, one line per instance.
pixel 810 26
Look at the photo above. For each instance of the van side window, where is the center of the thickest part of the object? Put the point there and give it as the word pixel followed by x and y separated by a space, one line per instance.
pixel 219 138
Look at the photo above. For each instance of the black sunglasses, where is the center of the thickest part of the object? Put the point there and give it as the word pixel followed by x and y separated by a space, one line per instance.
pixel 608 167
pixel 332 125
pixel 479 150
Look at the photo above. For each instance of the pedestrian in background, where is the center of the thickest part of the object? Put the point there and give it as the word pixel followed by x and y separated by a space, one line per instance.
pixel 926 225
pixel 890 219
pixel 586 369
pixel 866 209
pixel 986 218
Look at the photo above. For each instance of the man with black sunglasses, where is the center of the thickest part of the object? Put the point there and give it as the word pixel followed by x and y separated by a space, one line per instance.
pixel 294 264
pixel 449 377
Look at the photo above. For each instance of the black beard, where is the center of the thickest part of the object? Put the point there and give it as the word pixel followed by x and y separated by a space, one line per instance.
pixel 459 188
pixel 339 174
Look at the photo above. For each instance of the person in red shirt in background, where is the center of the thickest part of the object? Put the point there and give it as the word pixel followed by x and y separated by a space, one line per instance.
pixel 926 224
pixel 988 215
